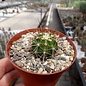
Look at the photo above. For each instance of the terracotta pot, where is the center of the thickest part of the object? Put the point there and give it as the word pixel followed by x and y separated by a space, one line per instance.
pixel 72 39
pixel 34 79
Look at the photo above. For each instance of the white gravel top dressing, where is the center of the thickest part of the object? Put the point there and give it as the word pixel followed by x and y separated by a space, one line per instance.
pixel 22 56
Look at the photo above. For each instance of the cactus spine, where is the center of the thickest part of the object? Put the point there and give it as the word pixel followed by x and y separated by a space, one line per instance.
pixel 44 45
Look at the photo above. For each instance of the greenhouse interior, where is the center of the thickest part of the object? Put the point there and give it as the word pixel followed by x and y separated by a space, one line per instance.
pixel 65 16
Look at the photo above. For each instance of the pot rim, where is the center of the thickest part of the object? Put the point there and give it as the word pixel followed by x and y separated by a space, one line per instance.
pixel 40 29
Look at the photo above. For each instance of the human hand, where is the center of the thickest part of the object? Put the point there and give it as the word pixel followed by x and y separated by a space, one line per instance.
pixel 7 73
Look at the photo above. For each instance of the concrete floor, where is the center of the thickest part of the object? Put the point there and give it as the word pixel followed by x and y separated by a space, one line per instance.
pixel 22 21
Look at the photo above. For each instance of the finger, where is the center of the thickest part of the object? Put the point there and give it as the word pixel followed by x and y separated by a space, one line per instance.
pixel 8 78
pixel 5 66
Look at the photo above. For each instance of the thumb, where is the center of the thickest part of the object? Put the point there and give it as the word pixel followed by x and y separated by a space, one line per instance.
pixel 8 78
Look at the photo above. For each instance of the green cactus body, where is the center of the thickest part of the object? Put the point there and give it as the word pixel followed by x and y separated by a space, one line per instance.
pixel 44 45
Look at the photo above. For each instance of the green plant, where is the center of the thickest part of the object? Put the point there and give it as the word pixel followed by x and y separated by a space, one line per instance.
pixel 64 19
pixel 85 53
pixel 76 32
pixel 2 49
pixel 80 34
pixel 1 55
pixel 44 45
pixel 71 23
pixel 83 45
pixel 43 4
pixel 78 40
pixel 76 4
pixel 82 6
pixel 2 44
pixel 84 34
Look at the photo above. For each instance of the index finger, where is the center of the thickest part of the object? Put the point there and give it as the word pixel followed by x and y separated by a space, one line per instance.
pixel 5 66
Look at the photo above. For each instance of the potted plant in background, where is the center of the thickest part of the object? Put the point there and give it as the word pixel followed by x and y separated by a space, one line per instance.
pixel 76 32
pixel 5 35
pixel 78 41
pixel 40 55
pixel 79 33
pixel 84 34
pixel 82 7
pixel 83 45
pixel 83 61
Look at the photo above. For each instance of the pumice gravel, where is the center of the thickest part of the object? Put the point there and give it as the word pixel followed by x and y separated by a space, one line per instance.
pixel 42 53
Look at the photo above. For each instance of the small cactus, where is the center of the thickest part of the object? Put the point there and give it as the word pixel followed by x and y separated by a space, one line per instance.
pixel 44 45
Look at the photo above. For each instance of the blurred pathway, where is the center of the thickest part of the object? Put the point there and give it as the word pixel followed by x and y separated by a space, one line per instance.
pixel 22 21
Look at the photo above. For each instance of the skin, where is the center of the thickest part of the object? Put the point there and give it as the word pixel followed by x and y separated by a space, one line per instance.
pixel 7 73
